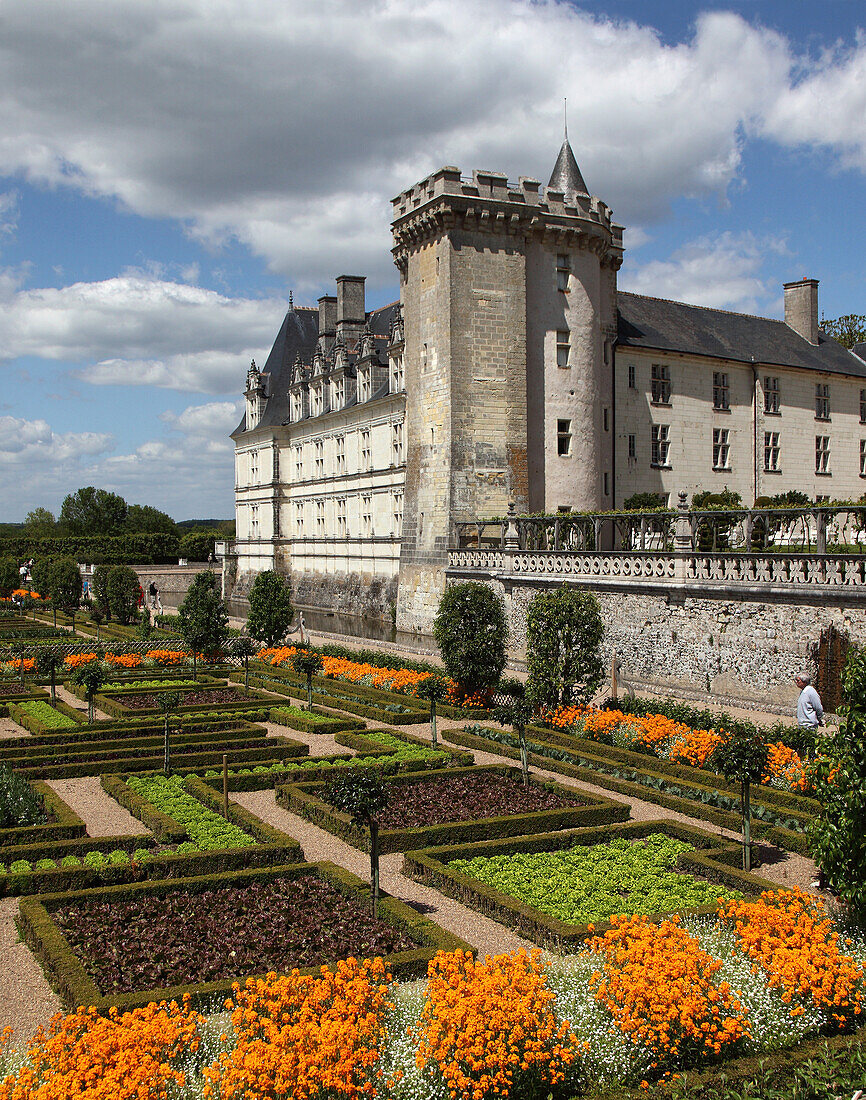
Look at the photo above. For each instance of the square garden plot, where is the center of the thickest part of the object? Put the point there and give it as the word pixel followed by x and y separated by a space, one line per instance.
pixel 207 697
pixel 552 889
pixel 128 945
pixel 456 805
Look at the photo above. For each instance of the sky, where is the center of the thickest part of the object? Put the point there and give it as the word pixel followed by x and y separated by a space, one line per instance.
pixel 171 169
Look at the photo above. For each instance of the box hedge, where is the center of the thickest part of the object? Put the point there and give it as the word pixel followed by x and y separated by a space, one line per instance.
pixel 63 821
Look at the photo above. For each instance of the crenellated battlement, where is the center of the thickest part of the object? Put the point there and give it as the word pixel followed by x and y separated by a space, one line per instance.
pixel 494 187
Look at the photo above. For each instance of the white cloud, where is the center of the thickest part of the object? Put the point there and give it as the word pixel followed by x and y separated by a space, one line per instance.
pixel 722 272
pixel 289 126
pixel 140 330
pixel 29 444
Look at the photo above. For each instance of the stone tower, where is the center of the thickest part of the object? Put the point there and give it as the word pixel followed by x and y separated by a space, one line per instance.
pixel 509 307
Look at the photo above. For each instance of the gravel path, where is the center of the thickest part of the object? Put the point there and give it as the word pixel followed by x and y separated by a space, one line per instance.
pixel 102 815
pixel 26 999
pixel 485 935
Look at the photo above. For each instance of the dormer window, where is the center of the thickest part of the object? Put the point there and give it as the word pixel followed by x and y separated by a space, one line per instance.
pixel 297 406
pixel 364 384
pixel 397 373
pixel 316 399
pixel 338 393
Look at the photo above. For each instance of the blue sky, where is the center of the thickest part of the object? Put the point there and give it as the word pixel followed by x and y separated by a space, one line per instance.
pixel 170 169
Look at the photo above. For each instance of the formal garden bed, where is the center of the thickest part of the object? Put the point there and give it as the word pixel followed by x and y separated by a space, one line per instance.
pixel 122 704
pixel 450 825
pixel 201 934
pixel 556 889
pixel 31 812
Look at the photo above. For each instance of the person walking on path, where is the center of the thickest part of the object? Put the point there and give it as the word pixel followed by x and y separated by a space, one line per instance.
pixel 155 602
pixel 810 713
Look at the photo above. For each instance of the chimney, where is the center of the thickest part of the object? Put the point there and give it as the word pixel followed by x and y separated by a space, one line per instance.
pixel 351 314
pixel 327 315
pixel 801 308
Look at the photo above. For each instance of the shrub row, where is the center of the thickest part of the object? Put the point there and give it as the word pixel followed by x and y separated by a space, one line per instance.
pixel 325 694
pixel 114 705
pixel 712 860
pixel 553 759
pixel 298 719
pixel 143 549
pixel 62 822
pixel 75 987
pixel 306 800
pixel 35 725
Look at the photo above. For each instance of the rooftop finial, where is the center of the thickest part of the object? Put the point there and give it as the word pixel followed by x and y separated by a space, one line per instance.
pixel 565 116
pixel 291 301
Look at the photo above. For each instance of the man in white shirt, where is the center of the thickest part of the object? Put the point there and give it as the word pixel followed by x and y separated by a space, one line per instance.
pixel 810 713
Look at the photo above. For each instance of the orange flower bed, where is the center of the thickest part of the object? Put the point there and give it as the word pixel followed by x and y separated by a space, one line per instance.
pixel 302 1036
pixel 489 1028
pixel 789 935
pixel 119 1057
pixel 123 660
pixel 786 769
pixel 168 658
pixel 24 592
pixel 29 664
pixel 657 983
pixel 76 660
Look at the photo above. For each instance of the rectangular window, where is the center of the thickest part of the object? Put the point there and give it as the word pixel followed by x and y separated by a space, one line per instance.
pixel 296 406
pixel 660 384
pixel 822 454
pixel 299 462
pixel 342 529
pixel 863 406
pixel 721 449
pixel 254 521
pixel 772 405
pixel 563 437
pixel 254 467
pixel 563 347
pixel 563 270
pixel 366 453
pixel 632 376
pixel 721 390
pixel 338 393
pixel 605 419
pixel 397 514
pixel 660 445
pixel 299 519
pixel 316 400
pixel 632 446
pixel 340 455
pixel 822 402
pixel 397 385
pixel 397 443
pixel 319 451
pixel 771 452
pixel 367 517
pixel 320 518
pixel 364 384
pixel 863 457
pixel 606 484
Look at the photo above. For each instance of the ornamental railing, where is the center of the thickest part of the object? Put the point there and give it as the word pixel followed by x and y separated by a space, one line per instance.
pixel 818 530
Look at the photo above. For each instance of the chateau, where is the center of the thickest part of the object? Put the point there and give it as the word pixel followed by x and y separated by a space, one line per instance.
pixel 512 369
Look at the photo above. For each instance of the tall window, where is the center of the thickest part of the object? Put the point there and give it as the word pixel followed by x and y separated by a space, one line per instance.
pixel 296 406
pixel 660 445
pixel 397 443
pixel 397 383
pixel 254 521
pixel 822 454
pixel 863 457
pixel 721 390
pixel 721 449
pixel 338 393
pixel 319 454
pixel 339 455
pixel 299 519
pixel 822 402
pixel 397 514
pixel 320 518
pixel 366 452
pixel 563 346
pixel 366 517
pixel 660 384
pixel 632 376
pixel 364 384
pixel 254 467
pixel 563 270
pixel 563 437
pixel 772 405
pixel 342 529
pixel 316 400
pixel 632 446
pixel 771 451
pixel 863 406
pixel 299 461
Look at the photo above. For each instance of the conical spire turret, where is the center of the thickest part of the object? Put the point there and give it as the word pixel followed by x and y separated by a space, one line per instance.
pixel 566 176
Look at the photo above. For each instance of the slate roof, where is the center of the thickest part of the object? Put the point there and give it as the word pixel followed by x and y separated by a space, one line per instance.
pixel 656 323
pixel 299 334
pixel 566 176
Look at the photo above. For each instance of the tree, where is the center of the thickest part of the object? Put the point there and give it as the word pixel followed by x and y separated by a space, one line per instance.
pixel 244 648
pixel 306 662
pixel 516 713
pixel 99 588
pixel 49 660
pixel 202 617
pixel 40 523
pixel 122 591
pixel 92 511
pixel 563 648
pixel 645 502
pixel 270 608
pixel 64 585
pixel 8 576
pixel 91 677
pixel 363 794
pixel 433 688
pixel 743 758
pixel 838 833
pixel 198 544
pixel 472 633
pixel 849 329
pixel 142 519
pixel 167 701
